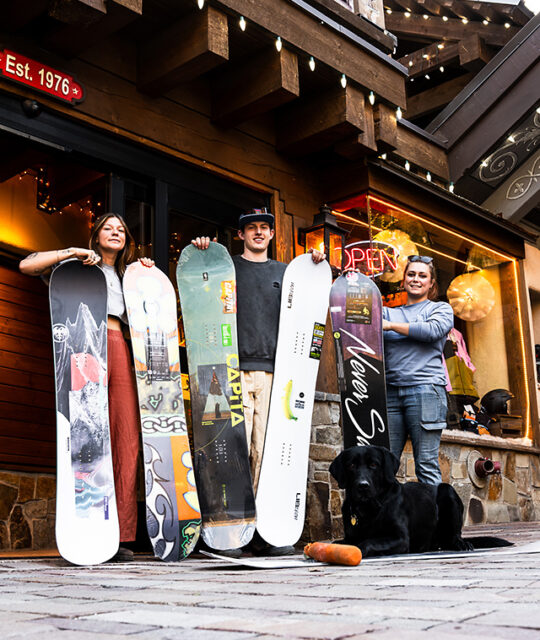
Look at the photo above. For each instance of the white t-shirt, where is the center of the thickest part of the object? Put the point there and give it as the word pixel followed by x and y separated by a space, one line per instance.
pixel 115 299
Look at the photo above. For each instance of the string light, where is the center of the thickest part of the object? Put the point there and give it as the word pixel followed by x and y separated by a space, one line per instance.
pixel 200 4
pixel 399 113
pixel 279 44
pixel 445 18
pixel 407 14
pixel 464 20
pixel 507 25
pixel 389 11
pixel 511 139
pixel 440 45
pixel 485 22
pixel 451 187
pixel 427 77
pixel 441 69
pixel 425 56
pixel 407 165
pixel 484 163
pixel 425 16
pixel 343 80
pixel 428 176
pixel 410 63
pixel 242 23
pixel 312 63
pixel 383 156
pixel 371 98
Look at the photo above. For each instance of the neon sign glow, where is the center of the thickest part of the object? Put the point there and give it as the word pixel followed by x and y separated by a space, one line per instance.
pixel 371 258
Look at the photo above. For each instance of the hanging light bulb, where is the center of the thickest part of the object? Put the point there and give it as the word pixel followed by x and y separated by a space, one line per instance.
pixel 200 4
pixel 428 176
pixel 312 63
pixel 464 20
pixel 407 165
pixel 407 14
pixel 507 25
pixel 389 11
pixel 445 18
pixel 410 63
pixel 451 187
pixel 440 45
pixel 399 113
pixel 242 23
pixel 427 77
pixel 485 23
pixel 425 16
pixel 371 98
pixel 343 80
pixel 441 69
pixel 279 43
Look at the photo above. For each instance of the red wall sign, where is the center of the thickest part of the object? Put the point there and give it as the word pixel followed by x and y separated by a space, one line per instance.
pixel 31 73
pixel 371 258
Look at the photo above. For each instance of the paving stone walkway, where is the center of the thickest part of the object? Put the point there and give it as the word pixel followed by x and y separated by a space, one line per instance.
pixel 203 599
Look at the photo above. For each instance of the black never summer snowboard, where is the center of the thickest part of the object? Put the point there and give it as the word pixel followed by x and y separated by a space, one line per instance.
pixel 356 312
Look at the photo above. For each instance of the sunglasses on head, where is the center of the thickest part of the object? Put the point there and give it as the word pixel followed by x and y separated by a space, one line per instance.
pixel 424 259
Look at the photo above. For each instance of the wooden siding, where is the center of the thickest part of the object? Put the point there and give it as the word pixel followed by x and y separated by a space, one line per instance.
pixel 27 409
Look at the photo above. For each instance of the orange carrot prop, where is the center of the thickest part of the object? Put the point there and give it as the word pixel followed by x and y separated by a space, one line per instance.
pixel 334 553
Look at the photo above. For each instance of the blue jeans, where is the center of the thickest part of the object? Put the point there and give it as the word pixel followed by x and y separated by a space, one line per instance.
pixel 418 412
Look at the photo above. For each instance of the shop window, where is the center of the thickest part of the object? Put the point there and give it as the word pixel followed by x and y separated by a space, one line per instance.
pixel 485 353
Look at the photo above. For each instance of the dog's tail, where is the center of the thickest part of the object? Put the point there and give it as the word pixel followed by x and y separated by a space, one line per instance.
pixel 487 542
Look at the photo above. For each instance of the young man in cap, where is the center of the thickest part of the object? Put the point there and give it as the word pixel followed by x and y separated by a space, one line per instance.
pixel 258 293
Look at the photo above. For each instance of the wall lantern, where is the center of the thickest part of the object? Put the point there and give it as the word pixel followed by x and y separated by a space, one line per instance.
pixel 325 235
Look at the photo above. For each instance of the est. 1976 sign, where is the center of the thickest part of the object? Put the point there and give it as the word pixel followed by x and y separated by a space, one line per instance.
pixel 14 66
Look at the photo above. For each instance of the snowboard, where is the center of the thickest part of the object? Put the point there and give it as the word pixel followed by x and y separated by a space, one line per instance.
pixel 173 518
pixel 281 493
pixel 356 312
pixel 87 530
pixel 207 287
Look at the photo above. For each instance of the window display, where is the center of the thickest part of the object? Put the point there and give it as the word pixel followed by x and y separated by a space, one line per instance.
pixel 485 352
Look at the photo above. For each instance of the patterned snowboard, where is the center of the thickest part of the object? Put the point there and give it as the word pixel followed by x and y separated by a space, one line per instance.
pixel 87 530
pixel 173 516
pixel 356 312
pixel 207 286
pixel 281 493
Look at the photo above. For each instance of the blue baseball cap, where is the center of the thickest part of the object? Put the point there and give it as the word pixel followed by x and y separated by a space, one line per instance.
pixel 256 215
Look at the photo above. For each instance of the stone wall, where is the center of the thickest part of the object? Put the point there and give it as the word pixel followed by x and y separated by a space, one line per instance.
pixel 27 510
pixel 514 495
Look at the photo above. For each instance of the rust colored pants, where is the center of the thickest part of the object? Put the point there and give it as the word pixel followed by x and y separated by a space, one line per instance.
pixel 124 425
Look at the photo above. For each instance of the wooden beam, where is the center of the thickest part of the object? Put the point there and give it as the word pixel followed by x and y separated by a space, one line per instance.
pixel 386 134
pixel 474 53
pixel 419 151
pixel 184 51
pixel 78 12
pixel 429 5
pixel 452 29
pixel 305 33
pixel 265 82
pixel 458 8
pixel 362 144
pixel 437 97
pixel 72 39
pixel 317 123
pixel 428 58
pixel 18 14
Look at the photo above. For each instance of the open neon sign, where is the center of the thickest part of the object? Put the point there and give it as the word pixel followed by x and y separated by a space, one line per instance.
pixel 371 258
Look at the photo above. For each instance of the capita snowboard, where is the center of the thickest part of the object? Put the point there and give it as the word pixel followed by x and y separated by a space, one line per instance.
pixel 207 286
pixel 281 493
pixel 87 530
pixel 173 518
pixel 356 312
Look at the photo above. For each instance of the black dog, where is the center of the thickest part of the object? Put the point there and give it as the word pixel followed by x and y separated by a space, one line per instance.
pixel 383 517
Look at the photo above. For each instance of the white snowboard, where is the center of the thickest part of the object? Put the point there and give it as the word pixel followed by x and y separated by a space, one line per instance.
pixel 281 494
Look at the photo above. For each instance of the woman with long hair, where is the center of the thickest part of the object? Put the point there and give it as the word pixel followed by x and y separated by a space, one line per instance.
pixel 112 248
pixel 414 337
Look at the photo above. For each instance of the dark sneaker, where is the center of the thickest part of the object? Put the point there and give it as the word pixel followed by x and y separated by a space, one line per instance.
pixel 271 551
pixel 122 555
pixel 229 553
